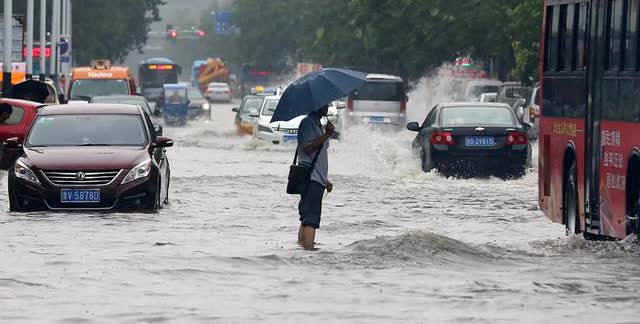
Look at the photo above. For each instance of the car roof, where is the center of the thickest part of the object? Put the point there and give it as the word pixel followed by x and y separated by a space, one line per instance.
pixel 377 76
pixel 473 104
pixel 21 103
pixel 218 83
pixel 91 109
pixel 118 97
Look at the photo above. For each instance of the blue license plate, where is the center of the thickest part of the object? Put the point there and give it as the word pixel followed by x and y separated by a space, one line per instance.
pixel 376 120
pixel 289 138
pixel 80 196
pixel 483 141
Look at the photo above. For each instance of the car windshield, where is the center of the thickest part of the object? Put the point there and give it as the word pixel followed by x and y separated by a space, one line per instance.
pixel 381 91
pixel 269 107
pixel 87 130
pixel 217 86
pixel 516 92
pixel 103 87
pixel 477 116
pixel 195 94
pixel 252 105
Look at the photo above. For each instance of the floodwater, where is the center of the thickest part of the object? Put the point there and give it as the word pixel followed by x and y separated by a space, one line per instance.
pixel 396 245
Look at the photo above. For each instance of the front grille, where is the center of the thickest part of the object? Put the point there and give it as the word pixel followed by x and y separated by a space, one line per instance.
pixel 81 178
pixel 288 130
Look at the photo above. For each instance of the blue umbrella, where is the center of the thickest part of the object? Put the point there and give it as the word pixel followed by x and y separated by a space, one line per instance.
pixel 315 90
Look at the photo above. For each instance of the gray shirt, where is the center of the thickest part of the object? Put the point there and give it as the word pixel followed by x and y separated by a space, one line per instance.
pixel 310 128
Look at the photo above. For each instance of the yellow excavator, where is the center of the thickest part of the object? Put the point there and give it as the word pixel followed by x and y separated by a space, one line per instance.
pixel 213 70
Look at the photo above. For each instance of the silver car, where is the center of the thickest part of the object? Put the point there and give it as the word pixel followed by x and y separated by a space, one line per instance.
pixel 381 101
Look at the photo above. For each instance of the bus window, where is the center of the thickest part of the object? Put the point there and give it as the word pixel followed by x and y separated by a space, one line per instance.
pixel 562 31
pixel 582 36
pixel 554 40
pixel 547 38
pixel 569 39
pixel 631 39
pixel 613 34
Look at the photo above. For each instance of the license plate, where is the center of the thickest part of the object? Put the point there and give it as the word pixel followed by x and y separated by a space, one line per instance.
pixel 479 141
pixel 377 120
pixel 288 138
pixel 80 196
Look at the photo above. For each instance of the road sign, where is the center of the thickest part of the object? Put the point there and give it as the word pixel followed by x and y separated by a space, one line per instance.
pixel 223 22
pixel 17 37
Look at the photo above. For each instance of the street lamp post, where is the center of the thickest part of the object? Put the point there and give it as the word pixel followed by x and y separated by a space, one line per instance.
pixel 43 39
pixel 6 68
pixel 29 56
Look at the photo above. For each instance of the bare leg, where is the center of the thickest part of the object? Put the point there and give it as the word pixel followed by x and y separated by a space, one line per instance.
pixel 300 234
pixel 308 237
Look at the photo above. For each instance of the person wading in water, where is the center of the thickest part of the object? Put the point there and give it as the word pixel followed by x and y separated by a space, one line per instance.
pixel 311 138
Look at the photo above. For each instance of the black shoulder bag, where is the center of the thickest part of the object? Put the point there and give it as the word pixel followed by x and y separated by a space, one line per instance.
pixel 300 175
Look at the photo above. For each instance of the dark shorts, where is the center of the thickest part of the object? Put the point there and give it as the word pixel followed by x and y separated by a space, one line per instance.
pixel 310 207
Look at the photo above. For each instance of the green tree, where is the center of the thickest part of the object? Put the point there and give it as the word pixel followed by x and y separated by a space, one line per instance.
pixel 111 29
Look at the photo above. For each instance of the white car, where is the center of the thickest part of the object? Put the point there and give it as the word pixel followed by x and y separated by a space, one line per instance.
pixel 277 132
pixel 488 97
pixel 283 132
pixel 218 91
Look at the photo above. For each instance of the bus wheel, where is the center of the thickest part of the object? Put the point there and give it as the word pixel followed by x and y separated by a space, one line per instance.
pixel 570 201
pixel 633 198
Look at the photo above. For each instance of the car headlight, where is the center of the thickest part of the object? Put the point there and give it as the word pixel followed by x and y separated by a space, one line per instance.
pixel 22 171
pixel 262 128
pixel 141 170
pixel 206 106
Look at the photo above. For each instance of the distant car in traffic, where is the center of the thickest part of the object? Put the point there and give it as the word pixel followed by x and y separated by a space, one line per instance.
pixel 381 101
pixel 90 157
pixel 99 79
pixel 277 132
pixel 471 138
pixel 198 105
pixel 245 114
pixel 219 91
pixel 510 92
pixel 15 124
pixel 475 88
pixel 488 97
pixel 141 101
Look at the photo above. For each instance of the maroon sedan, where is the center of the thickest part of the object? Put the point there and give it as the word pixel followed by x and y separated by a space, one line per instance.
pixel 90 156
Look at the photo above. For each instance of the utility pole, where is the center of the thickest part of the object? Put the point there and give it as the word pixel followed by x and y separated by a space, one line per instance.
pixel 6 68
pixel 55 34
pixel 29 55
pixel 43 39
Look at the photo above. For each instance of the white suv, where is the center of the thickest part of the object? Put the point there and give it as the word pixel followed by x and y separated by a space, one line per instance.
pixel 381 101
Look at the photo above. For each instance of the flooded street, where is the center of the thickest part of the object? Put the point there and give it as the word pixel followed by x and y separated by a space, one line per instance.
pixel 395 245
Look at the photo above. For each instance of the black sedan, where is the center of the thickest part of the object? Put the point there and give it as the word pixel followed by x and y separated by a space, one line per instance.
pixel 470 138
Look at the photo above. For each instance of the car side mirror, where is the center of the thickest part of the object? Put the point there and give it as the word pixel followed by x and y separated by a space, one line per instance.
pixel 525 125
pixel 12 143
pixel 235 109
pixel 162 141
pixel 413 126
pixel 254 114
pixel 61 99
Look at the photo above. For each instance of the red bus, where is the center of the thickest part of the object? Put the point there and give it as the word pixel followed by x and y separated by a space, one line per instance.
pixel 589 167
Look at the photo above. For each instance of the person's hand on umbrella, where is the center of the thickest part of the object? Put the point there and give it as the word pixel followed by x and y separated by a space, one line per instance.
pixel 330 130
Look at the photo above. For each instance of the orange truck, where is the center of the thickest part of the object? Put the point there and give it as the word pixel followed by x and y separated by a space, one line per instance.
pixel 100 79
pixel 211 70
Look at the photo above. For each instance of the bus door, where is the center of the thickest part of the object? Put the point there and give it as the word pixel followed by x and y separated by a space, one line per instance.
pixel 596 60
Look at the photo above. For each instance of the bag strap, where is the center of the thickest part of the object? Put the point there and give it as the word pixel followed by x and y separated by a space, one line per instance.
pixel 295 157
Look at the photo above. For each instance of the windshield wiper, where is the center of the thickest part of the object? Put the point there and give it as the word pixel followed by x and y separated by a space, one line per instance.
pixel 87 98
pixel 91 144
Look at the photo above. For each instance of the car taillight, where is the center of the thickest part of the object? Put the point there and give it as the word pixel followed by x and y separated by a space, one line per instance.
pixel 517 138
pixel 350 103
pixel 227 91
pixel 442 138
pixel 403 106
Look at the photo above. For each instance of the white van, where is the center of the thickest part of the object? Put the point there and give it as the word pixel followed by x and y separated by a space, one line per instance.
pixel 381 101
